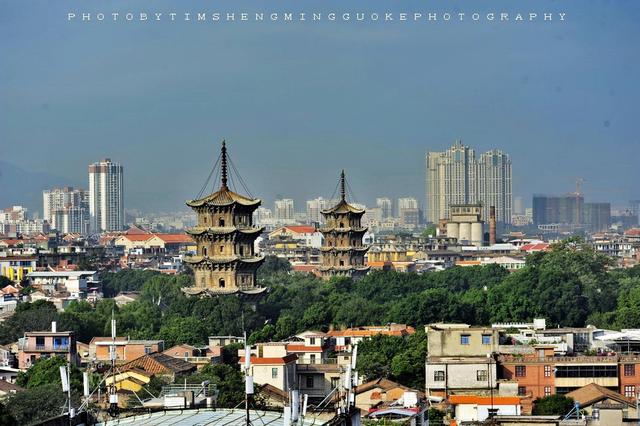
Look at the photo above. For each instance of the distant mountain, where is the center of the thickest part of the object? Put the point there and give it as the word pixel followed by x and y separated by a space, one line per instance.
pixel 24 188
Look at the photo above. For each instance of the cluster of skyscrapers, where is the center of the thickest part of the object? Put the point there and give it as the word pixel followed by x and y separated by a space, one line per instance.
pixel 99 209
pixel 456 177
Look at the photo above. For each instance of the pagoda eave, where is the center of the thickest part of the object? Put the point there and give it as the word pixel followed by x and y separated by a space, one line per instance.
pixel 197 260
pixel 224 231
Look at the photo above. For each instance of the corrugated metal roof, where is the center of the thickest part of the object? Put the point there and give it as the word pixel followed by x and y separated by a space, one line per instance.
pixel 203 417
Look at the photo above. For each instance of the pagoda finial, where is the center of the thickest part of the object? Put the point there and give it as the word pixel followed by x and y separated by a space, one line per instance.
pixel 224 166
pixel 343 192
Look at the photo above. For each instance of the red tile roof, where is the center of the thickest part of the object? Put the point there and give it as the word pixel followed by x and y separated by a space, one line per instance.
pixel 535 247
pixel 175 238
pixel 271 361
pixel 303 348
pixel 301 229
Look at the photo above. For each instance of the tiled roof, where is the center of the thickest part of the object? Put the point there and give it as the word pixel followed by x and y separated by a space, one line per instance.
pixel 224 197
pixel 303 348
pixel 271 361
pixel 159 363
pixel 592 393
pixel 301 229
pixel 535 247
pixel 7 387
pixel 385 385
pixel 175 238
pixel 343 207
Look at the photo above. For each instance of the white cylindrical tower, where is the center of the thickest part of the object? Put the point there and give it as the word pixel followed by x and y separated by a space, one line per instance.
pixel 465 232
pixel 476 233
pixel 453 231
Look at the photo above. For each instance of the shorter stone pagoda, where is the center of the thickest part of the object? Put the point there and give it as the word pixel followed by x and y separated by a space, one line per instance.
pixel 343 253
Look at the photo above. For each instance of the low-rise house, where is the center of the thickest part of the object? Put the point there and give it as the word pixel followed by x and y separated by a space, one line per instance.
pixel 271 364
pixel 344 340
pixel 474 408
pixel 460 358
pixel 45 344
pixel 16 268
pixel 382 392
pixel 126 349
pixel 592 395
pixel 9 374
pixel 7 389
pixel 76 283
pixel 159 364
pixel 126 297
pixel 198 356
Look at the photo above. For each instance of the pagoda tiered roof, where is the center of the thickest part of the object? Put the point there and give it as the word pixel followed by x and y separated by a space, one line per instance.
pixel 200 230
pixel 327 229
pixel 224 197
pixel 342 207
pixel 223 260
pixel 343 249
pixel 344 268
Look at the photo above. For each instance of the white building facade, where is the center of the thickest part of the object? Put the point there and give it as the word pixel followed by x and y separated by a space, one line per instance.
pixel 106 205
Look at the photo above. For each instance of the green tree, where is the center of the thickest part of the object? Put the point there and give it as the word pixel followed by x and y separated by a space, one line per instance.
pixel 552 405
pixel 228 379
pixel 47 370
pixel 187 330
pixel 38 404
pixel 35 316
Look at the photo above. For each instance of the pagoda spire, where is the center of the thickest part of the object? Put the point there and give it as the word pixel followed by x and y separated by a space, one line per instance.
pixel 343 192
pixel 224 166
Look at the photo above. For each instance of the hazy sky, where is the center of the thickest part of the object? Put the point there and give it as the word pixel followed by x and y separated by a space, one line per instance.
pixel 299 101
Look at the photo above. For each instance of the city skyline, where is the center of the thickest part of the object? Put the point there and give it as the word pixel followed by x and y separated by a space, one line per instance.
pixel 558 96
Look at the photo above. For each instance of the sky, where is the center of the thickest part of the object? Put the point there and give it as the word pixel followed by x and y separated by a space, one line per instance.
pixel 299 101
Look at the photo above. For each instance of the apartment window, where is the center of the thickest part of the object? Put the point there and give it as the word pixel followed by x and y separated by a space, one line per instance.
pixel 629 369
pixel 147 349
pixel 521 370
pixel 481 375
pixel 464 339
pixel 312 358
pixel 522 390
pixel 587 371
pixel 547 371
pixel 274 373
pixel 486 339
pixel 547 391
pixel 312 341
pixel 39 342
pixel 438 376
pixel 221 282
pixel 630 391
pixel 335 382
pixel 221 222
pixel 309 381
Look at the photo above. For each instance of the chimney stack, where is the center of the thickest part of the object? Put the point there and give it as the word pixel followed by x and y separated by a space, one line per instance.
pixel 53 327
pixel 492 225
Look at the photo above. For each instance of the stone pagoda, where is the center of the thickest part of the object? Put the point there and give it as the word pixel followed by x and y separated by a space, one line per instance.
pixel 226 261
pixel 343 251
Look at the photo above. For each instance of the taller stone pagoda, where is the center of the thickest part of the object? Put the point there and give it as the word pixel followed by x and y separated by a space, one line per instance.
pixel 342 250
pixel 226 261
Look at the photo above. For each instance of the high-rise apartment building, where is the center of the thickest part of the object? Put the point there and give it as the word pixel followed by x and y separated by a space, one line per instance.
pixel 408 212
pixel 456 177
pixel 67 209
pixel 386 207
pixel 106 206
pixel 284 210
pixel 558 209
pixel 314 209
